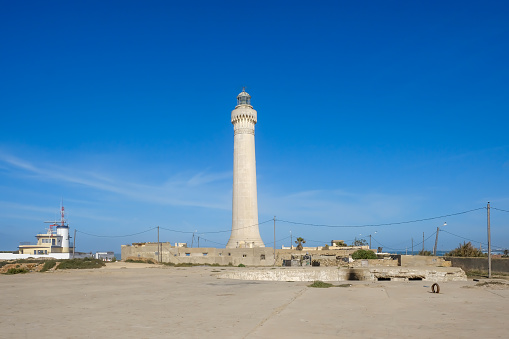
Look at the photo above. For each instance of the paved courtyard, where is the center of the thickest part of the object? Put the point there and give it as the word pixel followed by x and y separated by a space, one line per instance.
pixel 128 300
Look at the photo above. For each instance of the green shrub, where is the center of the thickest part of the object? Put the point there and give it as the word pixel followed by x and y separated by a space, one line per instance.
pixel 466 250
pixel 186 264
pixel 80 264
pixel 320 284
pixel 48 265
pixel 16 270
pixel 113 259
pixel 142 261
pixel 242 265
pixel 363 254
pixel 424 252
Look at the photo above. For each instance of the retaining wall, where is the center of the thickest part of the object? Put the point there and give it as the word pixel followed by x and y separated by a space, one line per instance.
pixel 480 264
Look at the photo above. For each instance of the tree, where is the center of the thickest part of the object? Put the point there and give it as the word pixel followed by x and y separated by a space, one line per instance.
pixel 340 243
pixel 363 254
pixel 466 250
pixel 359 242
pixel 299 243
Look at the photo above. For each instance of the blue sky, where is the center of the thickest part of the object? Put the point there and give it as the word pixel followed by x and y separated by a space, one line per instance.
pixel 369 112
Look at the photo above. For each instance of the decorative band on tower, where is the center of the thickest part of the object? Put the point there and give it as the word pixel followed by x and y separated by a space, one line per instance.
pixel 245 231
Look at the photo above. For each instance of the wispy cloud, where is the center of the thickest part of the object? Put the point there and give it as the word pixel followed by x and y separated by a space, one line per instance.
pixel 195 190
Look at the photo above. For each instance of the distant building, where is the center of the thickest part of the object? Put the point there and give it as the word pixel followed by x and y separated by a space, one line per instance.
pixel 104 256
pixel 55 243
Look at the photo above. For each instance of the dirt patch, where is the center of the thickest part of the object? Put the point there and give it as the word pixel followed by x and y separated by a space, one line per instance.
pixel 31 267
pixel 495 285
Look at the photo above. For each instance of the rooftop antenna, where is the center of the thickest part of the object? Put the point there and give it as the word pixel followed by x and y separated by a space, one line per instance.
pixel 62 220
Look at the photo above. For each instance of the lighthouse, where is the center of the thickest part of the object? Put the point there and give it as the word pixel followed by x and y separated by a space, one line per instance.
pixel 245 231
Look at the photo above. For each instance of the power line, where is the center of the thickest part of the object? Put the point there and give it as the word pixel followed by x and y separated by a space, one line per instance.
pixel 268 243
pixel 459 236
pixel 499 209
pixel 116 236
pixel 402 249
pixel 378 225
pixel 475 241
pixel 214 242
pixel 261 223
pixel 383 246
pixel 178 231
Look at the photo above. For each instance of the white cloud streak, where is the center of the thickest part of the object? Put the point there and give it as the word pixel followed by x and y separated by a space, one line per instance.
pixel 196 191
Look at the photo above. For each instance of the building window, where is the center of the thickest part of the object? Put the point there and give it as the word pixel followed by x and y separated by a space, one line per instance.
pixel 262 257
pixel 205 254
pixel 188 254
pixel 244 255
pixel 229 254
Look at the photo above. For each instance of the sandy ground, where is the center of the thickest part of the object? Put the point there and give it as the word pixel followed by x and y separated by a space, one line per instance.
pixel 148 301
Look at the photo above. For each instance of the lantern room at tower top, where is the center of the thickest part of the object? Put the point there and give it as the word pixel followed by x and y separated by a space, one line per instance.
pixel 243 98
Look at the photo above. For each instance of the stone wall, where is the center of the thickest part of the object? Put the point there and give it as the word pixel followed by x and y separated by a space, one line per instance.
pixel 431 274
pixel 258 256
pixel 264 256
pixel 421 260
pixel 480 264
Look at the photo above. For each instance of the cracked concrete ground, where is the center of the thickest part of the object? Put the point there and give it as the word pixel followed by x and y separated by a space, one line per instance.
pixel 126 300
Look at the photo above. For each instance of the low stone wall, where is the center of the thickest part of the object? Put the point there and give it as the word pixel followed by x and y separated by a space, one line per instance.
pixel 436 274
pixel 258 256
pixel 421 261
pixel 480 264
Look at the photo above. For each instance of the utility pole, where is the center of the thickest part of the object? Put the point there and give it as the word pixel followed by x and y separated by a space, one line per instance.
pixel 489 242
pixel 74 244
pixel 291 240
pixel 436 243
pixel 422 243
pixel 274 240
pixel 158 246
pixel 412 246
pixel 436 240
pixel 370 241
pixel 198 241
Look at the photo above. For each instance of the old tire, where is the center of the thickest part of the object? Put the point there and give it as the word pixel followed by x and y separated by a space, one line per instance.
pixel 435 288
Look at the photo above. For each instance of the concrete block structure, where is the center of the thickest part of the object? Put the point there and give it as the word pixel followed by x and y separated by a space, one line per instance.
pixel 256 256
pixel 245 232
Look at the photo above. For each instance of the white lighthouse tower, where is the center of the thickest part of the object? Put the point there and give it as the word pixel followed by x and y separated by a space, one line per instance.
pixel 245 232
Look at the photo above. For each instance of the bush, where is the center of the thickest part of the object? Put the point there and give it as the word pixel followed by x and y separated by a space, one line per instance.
pixel 141 261
pixel 186 264
pixel 320 284
pixel 466 250
pixel 81 264
pixel 424 252
pixel 16 270
pixel 48 265
pixel 242 265
pixel 113 259
pixel 363 254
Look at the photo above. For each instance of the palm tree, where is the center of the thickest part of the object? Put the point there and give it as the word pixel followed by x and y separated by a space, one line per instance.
pixel 299 243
